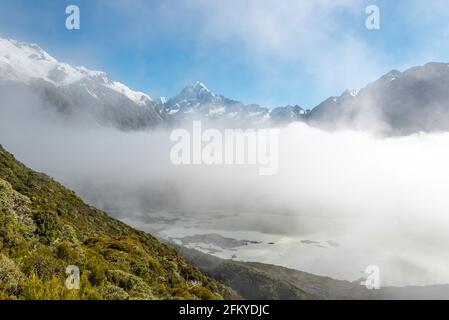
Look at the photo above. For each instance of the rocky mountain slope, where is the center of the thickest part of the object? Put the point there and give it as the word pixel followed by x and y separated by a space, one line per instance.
pixel 27 70
pixel 399 103
pixel 263 281
pixel 45 227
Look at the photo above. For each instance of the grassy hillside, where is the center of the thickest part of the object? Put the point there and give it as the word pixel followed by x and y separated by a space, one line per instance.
pixel 45 227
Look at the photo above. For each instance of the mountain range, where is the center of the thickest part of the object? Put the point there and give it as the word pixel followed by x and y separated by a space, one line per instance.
pixel 26 70
pixel 398 103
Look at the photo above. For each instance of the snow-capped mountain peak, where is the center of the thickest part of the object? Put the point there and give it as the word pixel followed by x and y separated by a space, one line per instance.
pixel 23 62
pixel 75 89
pixel 200 86
pixel 196 90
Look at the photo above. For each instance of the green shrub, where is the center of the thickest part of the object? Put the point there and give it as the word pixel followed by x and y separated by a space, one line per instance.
pixel 136 287
pixel 46 226
pixel 10 276
pixel 97 272
pixel 113 292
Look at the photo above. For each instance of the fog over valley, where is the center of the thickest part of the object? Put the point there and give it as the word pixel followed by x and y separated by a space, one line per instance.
pixel 383 200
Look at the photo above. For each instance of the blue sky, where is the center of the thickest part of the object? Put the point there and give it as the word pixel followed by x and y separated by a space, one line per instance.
pixel 267 52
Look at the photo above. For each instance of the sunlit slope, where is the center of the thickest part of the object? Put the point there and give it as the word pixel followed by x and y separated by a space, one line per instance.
pixel 45 227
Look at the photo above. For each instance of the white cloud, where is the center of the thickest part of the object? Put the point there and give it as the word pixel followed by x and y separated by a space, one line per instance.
pixel 385 200
pixel 313 38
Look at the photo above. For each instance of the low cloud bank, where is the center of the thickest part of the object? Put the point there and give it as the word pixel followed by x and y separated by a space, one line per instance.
pixel 385 193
